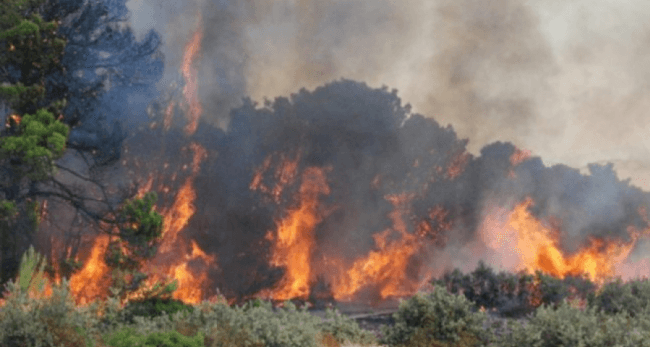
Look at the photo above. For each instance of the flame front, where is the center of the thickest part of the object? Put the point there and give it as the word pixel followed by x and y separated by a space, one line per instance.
pixel 536 247
pixel 294 241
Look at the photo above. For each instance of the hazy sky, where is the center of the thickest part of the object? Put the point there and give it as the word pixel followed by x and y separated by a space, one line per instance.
pixel 567 80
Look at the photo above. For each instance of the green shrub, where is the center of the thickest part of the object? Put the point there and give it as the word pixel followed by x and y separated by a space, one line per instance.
pixel 438 316
pixel 52 321
pixel 616 297
pixel 345 329
pixel 568 326
pixel 152 307
pixel 127 337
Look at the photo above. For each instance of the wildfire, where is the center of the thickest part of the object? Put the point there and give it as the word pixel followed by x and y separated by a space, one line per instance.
pixel 190 91
pixel 175 219
pixel 284 175
pixel 536 245
pixel 387 266
pixel 93 280
pixel 294 241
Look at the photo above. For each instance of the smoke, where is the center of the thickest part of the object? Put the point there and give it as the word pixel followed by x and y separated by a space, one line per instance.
pixel 566 80
pixel 374 152
pixel 496 71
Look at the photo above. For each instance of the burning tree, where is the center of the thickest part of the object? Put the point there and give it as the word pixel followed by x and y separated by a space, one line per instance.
pixel 52 66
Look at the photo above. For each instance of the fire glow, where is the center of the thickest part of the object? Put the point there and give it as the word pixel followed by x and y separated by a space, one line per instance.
pixel 311 202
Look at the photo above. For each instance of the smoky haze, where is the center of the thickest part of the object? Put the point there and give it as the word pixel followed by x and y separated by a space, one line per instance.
pixel 371 148
pixel 567 80
pixel 563 80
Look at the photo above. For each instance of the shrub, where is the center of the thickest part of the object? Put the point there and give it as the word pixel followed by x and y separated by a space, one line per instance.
pixel 568 326
pixel 438 316
pixel 152 307
pixel 52 321
pixel 127 337
pixel 344 329
pixel 615 297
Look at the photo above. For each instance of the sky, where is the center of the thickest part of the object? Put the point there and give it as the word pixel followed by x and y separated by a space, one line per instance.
pixel 567 80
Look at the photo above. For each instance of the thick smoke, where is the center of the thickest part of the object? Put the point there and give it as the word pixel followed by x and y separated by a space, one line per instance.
pixel 497 71
pixel 566 80
pixel 373 147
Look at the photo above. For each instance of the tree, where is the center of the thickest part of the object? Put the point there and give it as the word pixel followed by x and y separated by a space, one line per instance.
pixel 44 49
pixel 30 143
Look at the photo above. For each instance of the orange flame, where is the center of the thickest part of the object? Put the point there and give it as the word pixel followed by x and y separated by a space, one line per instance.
pixel 295 238
pixel 189 287
pixel 93 280
pixel 387 266
pixel 182 210
pixel 284 175
pixel 537 247
pixel 519 156
pixel 190 91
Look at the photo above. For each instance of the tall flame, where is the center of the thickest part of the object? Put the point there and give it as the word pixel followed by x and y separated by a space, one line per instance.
pixel 294 241
pixel 93 280
pixel 190 91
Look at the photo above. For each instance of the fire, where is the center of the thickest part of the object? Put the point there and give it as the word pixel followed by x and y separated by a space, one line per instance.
pixel 294 241
pixel 189 288
pixel 284 175
pixel 537 247
pixel 190 91
pixel 387 266
pixel 169 112
pixel 519 156
pixel 93 280
pixel 182 210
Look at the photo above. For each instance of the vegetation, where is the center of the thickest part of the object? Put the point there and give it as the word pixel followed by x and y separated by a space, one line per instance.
pixel 40 64
pixel 438 319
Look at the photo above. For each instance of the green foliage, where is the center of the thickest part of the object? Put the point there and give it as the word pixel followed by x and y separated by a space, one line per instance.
pixel 30 275
pixel 568 326
pixel 615 297
pixel 140 227
pixel 40 141
pixel 128 338
pixel 24 28
pixel 32 46
pixel 511 294
pixel 438 316
pixel 153 307
pixel 52 321
pixel 8 213
pixel 345 329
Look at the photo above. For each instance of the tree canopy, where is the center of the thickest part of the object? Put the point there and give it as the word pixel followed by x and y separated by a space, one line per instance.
pixel 58 82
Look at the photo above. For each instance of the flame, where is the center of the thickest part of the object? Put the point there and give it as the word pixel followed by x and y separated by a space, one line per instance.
pixel 457 165
pixel 190 91
pixel 536 247
pixel 387 266
pixel 189 288
pixel 13 119
pixel 93 280
pixel 284 175
pixel 519 156
pixel 169 113
pixel 182 210
pixel 294 241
